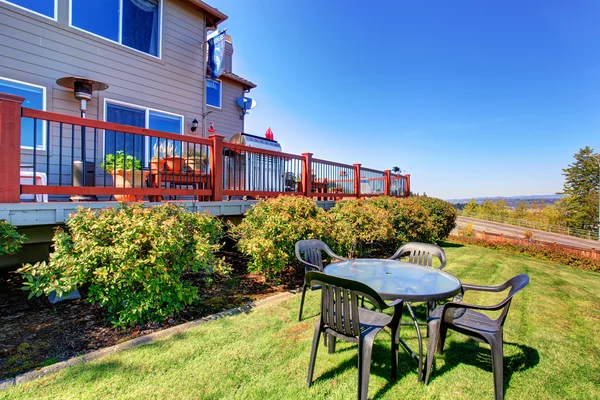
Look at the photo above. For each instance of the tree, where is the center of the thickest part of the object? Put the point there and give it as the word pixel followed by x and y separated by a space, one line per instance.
pixel 520 211
pixel 471 208
pixel 581 190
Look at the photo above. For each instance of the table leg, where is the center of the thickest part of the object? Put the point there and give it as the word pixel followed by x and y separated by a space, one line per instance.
pixel 420 339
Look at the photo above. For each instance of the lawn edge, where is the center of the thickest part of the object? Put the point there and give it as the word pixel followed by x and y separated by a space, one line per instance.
pixel 139 341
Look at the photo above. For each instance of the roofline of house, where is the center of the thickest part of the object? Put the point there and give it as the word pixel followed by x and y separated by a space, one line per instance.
pixel 213 16
pixel 231 76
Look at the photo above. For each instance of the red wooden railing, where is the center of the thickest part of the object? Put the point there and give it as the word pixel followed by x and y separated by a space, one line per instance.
pixel 218 169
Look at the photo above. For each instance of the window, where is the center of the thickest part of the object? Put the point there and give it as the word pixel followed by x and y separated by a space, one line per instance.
pixel 47 8
pixel 133 23
pixel 213 93
pixel 35 97
pixel 128 114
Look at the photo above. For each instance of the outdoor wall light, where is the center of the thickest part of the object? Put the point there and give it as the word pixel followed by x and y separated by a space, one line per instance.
pixel 194 125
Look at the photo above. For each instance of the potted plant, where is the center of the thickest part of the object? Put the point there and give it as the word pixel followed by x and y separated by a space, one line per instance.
pixel 195 160
pixel 126 171
pixel 166 157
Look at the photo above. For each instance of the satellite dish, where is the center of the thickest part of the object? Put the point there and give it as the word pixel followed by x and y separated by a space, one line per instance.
pixel 246 103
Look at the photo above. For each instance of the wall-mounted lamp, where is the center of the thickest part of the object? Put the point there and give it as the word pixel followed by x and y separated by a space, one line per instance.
pixel 194 125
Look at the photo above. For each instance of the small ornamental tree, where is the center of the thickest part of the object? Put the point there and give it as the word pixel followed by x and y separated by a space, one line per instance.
pixel 132 258
pixel 443 216
pixel 271 228
pixel 10 240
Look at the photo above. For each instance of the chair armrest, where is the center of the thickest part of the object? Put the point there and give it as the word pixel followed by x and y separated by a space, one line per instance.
pixel 395 303
pixel 311 266
pixel 495 307
pixel 466 287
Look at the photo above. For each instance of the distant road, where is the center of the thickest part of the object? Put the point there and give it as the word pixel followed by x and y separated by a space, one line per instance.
pixel 517 231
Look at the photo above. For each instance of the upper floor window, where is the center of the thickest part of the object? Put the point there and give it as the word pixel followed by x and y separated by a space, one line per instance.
pixel 133 23
pixel 35 97
pixel 213 93
pixel 47 8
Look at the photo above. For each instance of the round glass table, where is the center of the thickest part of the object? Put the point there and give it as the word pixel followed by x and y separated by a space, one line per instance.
pixel 399 280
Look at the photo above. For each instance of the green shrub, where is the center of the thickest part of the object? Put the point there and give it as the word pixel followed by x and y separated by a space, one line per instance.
pixel 360 227
pixel 410 219
pixel 132 258
pixel 271 228
pixel 443 216
pixel 10 240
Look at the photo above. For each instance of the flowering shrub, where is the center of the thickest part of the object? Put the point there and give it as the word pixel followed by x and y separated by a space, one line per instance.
pixel 271 228
pixel 359 227
pixel 410 219
pixel 442 213
pixel 132 258
pixel 10 239
pixel 536 250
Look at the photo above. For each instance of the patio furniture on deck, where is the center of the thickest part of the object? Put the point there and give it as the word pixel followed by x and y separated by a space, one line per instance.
pixel 40 179
pixel 341 317
pixel 462 318
pixel 421 254
pixel 196 179
pixel 310 253
pixel 395 280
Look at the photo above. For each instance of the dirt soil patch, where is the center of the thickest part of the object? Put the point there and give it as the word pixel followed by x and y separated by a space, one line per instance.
pixel 35 333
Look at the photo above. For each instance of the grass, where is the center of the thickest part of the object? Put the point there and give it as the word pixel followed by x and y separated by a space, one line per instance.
pixel 551 350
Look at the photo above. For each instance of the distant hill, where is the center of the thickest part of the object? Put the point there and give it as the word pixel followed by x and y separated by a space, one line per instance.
pixel 512 201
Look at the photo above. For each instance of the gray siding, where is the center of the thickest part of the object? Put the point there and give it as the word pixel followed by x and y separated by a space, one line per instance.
pixel 39 51
pixel 227 119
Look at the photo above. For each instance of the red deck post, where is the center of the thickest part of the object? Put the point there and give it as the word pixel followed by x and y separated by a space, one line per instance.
pixel 306 174
pixel 357 180
pixel 407 185
pixel 10 148
pixel 216 167
pixel 387 181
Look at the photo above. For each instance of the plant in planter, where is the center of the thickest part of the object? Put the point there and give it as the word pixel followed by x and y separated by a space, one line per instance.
pixel 126 171
pixel 196 159
pixel 166 157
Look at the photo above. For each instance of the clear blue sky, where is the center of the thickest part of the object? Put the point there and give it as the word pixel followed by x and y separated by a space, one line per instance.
pixel 472 98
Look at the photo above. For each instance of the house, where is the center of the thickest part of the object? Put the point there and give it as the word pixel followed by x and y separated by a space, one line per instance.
pixel 150 53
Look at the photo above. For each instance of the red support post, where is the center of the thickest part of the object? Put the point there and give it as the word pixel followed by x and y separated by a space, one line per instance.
pixel 357 180
pixel 10 148
pixel 307 175
pixel 387 181
pixel 216 167
pixel 407 176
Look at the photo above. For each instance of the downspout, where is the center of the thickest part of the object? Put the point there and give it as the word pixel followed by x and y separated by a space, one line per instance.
pixel 204 60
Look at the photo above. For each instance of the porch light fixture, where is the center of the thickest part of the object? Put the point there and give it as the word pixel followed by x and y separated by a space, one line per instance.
pixel 194 125
pixel 82 89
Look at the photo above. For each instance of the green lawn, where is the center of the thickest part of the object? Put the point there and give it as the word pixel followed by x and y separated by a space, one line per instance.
pixel 552 350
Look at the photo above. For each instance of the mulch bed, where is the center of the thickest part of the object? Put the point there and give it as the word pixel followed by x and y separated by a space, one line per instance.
pixel 34 333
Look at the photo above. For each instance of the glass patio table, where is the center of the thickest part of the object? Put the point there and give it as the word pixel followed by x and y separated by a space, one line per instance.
pixel 399 280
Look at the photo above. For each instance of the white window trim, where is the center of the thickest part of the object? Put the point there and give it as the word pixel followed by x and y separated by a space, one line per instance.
pixel 44 123
pixel 35 12
pixel 120 34
pixel 220 93
pixel 146 121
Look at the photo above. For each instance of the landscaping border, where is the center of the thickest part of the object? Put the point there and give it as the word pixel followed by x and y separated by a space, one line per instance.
pixel 133 343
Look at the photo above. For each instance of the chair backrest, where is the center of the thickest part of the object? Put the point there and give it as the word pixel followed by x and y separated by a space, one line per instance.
pixel 516 283
pixel 421 254
pixel 340 302
pixel 311 252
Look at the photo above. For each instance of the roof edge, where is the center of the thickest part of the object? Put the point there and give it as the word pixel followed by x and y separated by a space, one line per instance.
pixel 213 18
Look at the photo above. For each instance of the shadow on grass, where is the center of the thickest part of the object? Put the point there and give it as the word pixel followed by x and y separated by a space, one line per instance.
pixel 380 365
pixel 451 245
pixel 471 353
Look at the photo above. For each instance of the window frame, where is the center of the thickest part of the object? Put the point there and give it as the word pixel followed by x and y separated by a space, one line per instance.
pixel 220 93
pixel 120 41
pixel 35 12
pixel 44 105
pixel 146 122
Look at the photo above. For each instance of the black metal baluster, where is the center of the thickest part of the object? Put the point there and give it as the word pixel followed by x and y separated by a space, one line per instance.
pixel 60 153
pixel 34 150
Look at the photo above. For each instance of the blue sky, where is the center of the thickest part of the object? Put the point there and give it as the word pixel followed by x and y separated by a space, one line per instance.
pixel 472 98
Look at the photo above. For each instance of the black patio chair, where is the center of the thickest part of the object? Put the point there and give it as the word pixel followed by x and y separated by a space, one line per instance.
pixel 421 254
pixel 342 318
pixel 310 253
pixel 462 318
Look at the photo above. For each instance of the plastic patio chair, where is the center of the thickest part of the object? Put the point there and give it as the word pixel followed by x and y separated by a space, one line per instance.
pixel 342 318
pixel 310 253
pixel 421 254
pixel 462 318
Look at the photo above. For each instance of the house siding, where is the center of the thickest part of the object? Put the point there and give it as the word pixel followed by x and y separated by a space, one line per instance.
pixel 227 120
pixel 39 51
